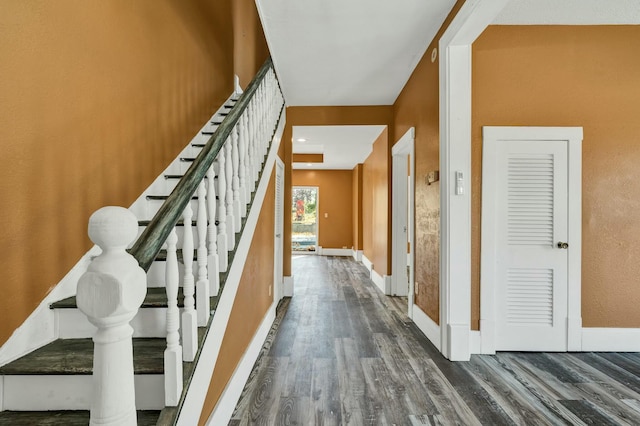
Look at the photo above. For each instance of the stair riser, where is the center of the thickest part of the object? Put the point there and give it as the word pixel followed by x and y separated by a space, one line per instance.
pixel 73 324
pixel 71 392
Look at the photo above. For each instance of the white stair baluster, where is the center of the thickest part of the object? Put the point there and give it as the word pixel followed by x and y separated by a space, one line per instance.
pixel 189 317
pixel 235 180
pixel 202 286
pixel 231 226
pixel 242 167
pixel 245 161
pixel 257 164
pixel 173 353
pixel 110 293
pixel 214 261
pixel 223 247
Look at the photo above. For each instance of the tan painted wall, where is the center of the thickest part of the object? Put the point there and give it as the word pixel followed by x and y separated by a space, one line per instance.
pixel 356 191
pixel 319 116
pixel 95 99
pixel 574 76
pixel 417 106
pixel 376 220
pixel 251 303
pixel 335 200
pixel 250 48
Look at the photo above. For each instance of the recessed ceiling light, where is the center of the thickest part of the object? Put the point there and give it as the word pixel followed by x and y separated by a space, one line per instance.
pixel 301 140
pixel 309 164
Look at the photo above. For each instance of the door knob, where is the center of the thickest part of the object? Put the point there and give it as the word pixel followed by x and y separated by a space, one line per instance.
pixel 562 245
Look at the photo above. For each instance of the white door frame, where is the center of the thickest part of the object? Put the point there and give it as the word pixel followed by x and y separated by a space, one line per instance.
pixel 403 225
pixel 278 286
pixel 455 158
pixel 573 135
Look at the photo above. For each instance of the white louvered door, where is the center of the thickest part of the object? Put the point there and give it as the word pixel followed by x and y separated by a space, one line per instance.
pixel 531 271
pixel 279 226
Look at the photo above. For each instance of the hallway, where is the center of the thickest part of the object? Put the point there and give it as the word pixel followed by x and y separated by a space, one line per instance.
pixel 346 354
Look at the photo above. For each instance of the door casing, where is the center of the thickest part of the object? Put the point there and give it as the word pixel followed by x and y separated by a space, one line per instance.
pixel 403 223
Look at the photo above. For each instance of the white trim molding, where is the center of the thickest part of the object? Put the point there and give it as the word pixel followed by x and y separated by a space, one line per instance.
pixel 428 326
pixel 227 402
pixel 383 282
pixel 357 255
pixel 610 339
pixel 367 264
pixel 287 283
pixel 336 252
pixel 196 394
pixel 455 159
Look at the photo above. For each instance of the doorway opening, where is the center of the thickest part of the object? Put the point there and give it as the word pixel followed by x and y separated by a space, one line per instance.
pixel 304 219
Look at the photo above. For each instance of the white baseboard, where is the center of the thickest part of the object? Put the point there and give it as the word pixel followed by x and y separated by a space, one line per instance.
pixel 229 399
pixel 357 255
pixel 610 339
pixel 288 286
pixel 205 364
pixel 427 326
pixel 383 282
pixel 475 342
pixel 367 263
pixel 459 342
pixel 335 252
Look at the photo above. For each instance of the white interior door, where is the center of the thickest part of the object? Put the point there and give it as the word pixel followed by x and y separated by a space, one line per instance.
pixel 526 185
pixel 403 221
pixel 278 291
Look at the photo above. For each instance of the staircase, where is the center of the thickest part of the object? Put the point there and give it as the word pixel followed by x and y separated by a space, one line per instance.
pixel 190 223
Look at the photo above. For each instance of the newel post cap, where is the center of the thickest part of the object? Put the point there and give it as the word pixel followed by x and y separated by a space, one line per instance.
pixel 114 285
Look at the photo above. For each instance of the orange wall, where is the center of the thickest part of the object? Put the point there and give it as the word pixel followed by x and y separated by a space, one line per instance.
pixel 375 200
pixel 574 76
pixel 417 106
pixel 88 90
pixel 251 303
pixel 335 200
pixel 356 191
pixel 250 49
pixel 319 116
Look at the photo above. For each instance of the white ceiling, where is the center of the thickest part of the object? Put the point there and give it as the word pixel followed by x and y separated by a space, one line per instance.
pixel 348 52
pixel 343 146
pixel 362 52
pixel 570 12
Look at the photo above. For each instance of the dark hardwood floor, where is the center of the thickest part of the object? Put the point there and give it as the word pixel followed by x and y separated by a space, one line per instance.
pixel 345 354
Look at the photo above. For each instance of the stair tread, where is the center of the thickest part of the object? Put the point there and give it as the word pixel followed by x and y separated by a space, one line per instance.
pixel 75 356
pixel 70 418
pixel 156 298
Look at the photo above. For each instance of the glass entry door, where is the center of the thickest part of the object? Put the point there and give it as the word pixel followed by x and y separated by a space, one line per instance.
pixel 304 219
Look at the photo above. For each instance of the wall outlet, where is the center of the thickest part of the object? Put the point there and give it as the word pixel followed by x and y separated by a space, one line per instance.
pixel 416 287
pixel 269 290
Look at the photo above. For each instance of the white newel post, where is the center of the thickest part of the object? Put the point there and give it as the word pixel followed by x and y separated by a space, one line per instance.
pixel 223 248
pixel 110 293
pixel 202 286
pixel 214 261
pixel 231 227
pixel 173 353
pixel 189 318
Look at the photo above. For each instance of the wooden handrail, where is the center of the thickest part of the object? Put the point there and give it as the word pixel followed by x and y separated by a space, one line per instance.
pixel 148 245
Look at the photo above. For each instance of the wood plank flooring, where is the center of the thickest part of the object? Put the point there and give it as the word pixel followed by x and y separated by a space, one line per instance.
pixel 345 354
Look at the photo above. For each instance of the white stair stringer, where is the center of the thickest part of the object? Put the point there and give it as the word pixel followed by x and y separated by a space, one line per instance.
pixel 44 325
